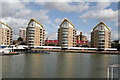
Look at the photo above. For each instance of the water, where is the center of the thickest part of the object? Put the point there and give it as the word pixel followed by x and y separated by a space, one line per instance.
pixel 57 65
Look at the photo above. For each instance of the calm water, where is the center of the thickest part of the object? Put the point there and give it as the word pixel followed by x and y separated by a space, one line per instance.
pixel 57 65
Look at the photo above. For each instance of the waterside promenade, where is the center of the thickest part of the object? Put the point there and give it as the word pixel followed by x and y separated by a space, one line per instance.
pixel 79 51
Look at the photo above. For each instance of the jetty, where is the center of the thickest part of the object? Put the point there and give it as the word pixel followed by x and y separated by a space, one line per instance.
pixel 79 51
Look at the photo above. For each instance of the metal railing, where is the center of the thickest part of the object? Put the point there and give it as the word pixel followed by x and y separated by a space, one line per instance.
pixel 113 72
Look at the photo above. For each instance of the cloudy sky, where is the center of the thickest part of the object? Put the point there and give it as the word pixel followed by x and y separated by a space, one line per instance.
pixel 84 15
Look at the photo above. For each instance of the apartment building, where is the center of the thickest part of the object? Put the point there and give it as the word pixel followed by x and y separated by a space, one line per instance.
pixel 66 34
pixel 81 40
pixel 81 37
pixel 35 33
pixel 101 36
pixel 6 34
pixel 22 33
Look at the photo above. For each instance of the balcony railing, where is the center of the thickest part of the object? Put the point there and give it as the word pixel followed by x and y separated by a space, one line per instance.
pixel 65 29
pixel 65 33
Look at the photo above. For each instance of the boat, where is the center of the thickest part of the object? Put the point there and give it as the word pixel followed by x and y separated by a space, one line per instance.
pixel 8 52
pixel 37 51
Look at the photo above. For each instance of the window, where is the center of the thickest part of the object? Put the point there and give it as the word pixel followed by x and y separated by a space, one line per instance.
pixel 101 32
pixel 101 47
pixel 31 31
pixel 101 43
pixel 101 38
pixel 31 38
pixel 31 41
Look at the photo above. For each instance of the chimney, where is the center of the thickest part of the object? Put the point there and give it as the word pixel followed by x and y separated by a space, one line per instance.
pixel 80 36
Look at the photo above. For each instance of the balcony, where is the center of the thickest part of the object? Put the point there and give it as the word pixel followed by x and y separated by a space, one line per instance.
pixel 65 33
pixel 65 29
pixel 31 28
pixel 101 32
pixel 64 41
pixel 64 44
pixel 101 35
pixel 64 36
pixel 101 38
pixel 30 43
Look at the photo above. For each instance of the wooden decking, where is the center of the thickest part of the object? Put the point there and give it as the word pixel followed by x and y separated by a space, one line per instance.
pixel 81 51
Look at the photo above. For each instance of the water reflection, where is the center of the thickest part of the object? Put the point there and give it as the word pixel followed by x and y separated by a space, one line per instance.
pixel 57 65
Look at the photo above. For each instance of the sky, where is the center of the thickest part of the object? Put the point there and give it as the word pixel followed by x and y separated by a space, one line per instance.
pixel 83 15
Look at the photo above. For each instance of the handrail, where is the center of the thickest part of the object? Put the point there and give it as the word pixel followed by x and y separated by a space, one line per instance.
pixel 111 68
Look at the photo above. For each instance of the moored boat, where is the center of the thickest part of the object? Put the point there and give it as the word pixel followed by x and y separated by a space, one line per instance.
pixel 9 52
pixel 37 51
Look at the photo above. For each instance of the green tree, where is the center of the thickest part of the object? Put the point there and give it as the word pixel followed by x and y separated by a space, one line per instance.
pixel 20 39
pixel 51 44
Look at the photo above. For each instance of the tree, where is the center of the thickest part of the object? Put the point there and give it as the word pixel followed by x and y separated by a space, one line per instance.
pixel 51 44
pixel 20 39
pixel 114 44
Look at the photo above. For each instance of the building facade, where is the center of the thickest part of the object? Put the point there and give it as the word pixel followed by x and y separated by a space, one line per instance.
pixel 51 42
pixel 22 33
pixel 101 36
pixel 66 34
pixel 81 40
pixel 81 37
pixel 35 33
pixel 6 34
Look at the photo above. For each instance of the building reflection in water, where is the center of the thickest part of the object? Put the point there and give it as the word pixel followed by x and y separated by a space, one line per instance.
pixel 57 65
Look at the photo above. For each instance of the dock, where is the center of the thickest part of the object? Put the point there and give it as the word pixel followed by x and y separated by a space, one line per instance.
pixel 81 51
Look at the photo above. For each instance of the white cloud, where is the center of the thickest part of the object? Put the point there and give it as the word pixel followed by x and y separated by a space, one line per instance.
pixel 101 5
pixel 114 35
pixel 58 20
pixel 51 36
pixel 15 37
pixel 102 15
pixel 66 7
pixel 84 20
pixel 19 10
pixel 61 0
pixel 100 12
pixel 15 24
pixel 11 9
pixel 88 36
pixel 105 15
pixel 78 32
pixel 10 0
pixel 43 16
pixel 16 15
